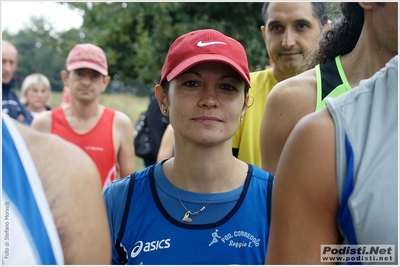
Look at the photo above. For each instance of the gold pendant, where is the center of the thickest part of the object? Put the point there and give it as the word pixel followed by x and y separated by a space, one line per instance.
pixel 186 217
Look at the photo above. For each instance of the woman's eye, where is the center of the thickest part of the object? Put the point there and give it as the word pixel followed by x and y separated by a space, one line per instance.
pixel 227 87
pixel 191 84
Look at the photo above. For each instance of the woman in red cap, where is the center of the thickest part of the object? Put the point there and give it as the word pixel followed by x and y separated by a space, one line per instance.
pixel 202 206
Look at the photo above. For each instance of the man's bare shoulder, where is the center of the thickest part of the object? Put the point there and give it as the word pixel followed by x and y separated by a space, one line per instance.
pixel 42 122
pixel 296 92
pixel 123 130
pixel 72 186
pixel 299 84
pixel 317 121
pixel 121 119
pixel 55 156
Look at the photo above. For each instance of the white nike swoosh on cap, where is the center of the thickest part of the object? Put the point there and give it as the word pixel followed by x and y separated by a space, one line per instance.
pixel 201 44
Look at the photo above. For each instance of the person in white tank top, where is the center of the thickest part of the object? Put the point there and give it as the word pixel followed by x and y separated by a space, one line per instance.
pixel 337 180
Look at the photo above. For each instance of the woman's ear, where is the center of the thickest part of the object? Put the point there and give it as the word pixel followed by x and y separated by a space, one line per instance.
pixel 162 99
pixel 246 104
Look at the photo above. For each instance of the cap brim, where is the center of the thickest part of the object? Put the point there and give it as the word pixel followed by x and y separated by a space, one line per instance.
pixel 190 62
pixel 88 65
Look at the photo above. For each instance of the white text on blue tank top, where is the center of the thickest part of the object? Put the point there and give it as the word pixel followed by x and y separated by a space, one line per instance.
pixel 150 246
pixel 236 239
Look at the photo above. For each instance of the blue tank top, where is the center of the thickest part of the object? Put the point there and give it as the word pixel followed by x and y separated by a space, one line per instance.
pixel 366 123
pixel 29 234
pixel 155 236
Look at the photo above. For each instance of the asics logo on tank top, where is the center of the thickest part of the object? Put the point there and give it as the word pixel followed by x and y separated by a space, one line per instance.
pixel 201 44
pixel 149 246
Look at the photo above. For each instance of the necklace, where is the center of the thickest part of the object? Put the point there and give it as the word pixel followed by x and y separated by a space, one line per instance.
pixel 188 213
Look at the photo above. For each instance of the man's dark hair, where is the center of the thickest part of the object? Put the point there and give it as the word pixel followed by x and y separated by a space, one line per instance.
pixel 319 9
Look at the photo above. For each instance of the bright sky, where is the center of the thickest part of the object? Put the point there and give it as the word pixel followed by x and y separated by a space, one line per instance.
pixel 15 15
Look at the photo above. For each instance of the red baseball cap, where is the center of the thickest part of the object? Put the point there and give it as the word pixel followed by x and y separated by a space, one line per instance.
pixel 87 56
pixel 204 46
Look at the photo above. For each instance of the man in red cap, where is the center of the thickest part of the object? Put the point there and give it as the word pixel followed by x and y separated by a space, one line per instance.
pixel 98 130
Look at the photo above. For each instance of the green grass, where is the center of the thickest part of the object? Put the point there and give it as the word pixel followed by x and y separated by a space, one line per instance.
pixel 126 103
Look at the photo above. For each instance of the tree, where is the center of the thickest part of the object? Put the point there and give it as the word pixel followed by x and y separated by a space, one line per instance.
pixel 136 35
pixel 37 52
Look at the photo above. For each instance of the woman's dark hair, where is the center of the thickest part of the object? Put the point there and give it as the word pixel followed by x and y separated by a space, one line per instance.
pixel 342 36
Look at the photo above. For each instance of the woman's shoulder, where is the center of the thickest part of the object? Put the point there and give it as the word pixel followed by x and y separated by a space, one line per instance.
pixel 120 186
pixel 259 173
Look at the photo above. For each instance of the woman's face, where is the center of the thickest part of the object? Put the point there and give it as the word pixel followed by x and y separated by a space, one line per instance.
pixel 205 103
pixel 37 97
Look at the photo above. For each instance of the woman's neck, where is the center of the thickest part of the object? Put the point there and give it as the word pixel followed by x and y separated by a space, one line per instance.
pixel 200 176
pixel 35 109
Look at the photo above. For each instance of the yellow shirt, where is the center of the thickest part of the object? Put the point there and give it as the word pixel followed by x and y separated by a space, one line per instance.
pixel 247 137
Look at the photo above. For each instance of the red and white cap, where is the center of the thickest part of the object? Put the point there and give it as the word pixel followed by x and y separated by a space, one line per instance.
pixel 204 46
pixel 87 56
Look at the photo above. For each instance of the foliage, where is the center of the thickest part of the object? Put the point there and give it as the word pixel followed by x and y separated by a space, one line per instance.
pixel 334 11
pixel 136 36
pixel 137 40
pixel 37 53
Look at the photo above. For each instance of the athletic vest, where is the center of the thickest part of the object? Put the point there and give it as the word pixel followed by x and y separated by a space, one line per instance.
pixel 97 143
pixel 153 236
pixel 247 137
pixel 331 81
pixel 28 231
pixel 366 123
